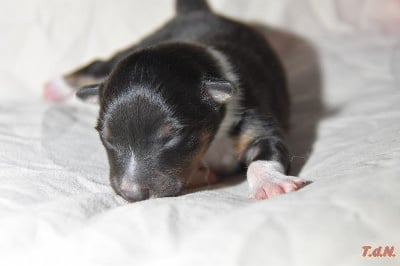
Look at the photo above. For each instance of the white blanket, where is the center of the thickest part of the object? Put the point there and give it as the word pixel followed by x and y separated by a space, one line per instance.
pixel 56 205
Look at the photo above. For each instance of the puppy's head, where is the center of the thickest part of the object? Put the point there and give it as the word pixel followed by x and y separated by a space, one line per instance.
pixel 156 123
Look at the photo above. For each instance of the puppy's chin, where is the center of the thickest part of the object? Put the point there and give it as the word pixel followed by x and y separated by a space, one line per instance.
pixel 200 176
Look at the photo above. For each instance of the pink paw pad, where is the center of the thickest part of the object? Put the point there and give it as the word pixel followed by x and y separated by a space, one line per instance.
pixel 57 90
pixel 266 180
pixel 211 178
pixel 201 176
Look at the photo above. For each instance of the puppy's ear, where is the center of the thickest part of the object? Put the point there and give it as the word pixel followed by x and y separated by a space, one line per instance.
pixel 221 91
pixel 89 93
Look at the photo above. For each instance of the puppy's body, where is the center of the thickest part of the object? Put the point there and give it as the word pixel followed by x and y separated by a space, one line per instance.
pixel 203 92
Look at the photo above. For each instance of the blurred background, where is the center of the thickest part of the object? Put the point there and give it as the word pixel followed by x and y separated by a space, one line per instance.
pixel 342 59
pixel 43 38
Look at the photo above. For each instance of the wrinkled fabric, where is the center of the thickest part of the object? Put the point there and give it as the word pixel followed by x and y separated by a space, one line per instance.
pixel 343 65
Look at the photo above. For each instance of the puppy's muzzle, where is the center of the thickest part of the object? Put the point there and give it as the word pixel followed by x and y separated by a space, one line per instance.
pixel 132 191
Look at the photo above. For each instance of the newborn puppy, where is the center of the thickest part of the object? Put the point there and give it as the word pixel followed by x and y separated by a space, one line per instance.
pixel 203 96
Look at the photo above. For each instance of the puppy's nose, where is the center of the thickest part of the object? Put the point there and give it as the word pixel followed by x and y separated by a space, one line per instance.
pixel 136 195
pixel 133 192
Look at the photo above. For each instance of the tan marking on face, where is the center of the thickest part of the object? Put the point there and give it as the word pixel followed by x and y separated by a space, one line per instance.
pixel 242 142
pixel 195 172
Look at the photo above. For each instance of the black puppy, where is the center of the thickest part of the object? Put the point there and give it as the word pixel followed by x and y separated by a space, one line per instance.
pixel 202 96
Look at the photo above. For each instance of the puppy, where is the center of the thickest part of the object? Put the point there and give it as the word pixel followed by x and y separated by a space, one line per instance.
pixel 203 96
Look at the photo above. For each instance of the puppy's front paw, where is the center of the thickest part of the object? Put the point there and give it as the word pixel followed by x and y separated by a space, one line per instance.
pixel 266 179
pixel 201 176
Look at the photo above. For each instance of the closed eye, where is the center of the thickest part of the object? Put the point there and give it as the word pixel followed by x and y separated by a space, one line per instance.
pixel 106 138
pixel 183 137
pixel 169 135
pixel 108 142
pixel 172 141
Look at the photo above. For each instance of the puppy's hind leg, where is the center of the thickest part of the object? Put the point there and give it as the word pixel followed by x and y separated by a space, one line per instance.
pixel 60 88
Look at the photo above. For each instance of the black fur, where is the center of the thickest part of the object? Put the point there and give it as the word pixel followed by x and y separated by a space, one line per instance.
pixel 169 80
pixel 189 6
